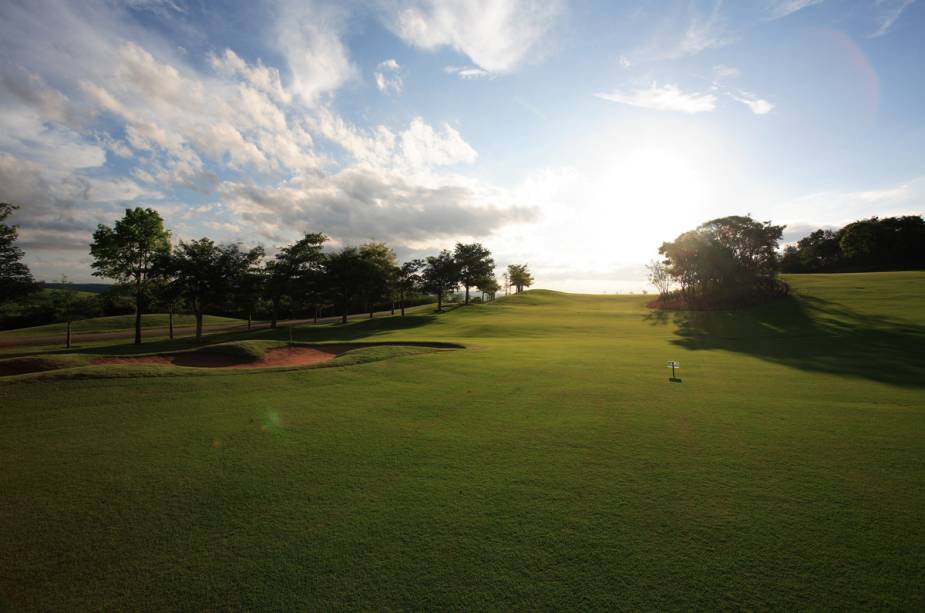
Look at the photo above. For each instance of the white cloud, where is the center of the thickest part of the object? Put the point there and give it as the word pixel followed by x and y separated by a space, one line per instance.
pixel 664 98
pixel 497 35
pixel 388 77
pixel 467 72
pixel 757 105
pixel 888 11
pixel 309 37
pixel 778 9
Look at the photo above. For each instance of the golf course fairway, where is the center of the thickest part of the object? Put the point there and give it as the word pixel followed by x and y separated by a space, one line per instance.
pixel 550 464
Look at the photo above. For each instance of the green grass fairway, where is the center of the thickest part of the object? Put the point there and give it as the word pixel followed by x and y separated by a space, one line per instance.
pixel 115 323
pixel 549 465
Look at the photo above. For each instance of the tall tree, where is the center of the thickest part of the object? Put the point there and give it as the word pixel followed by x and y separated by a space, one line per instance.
pixel 659 277
pixel 519 276
pixel 407 280
pixel 474 262
pixel 127 253
pixel 380 270
pixel 441 275
pixel 15 279
pixel 290 265
pixel 346 271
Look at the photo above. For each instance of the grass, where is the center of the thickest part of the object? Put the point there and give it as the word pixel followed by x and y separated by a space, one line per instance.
pixel 115 323
pixel 550 465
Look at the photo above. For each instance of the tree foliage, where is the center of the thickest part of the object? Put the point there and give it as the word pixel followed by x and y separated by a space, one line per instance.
pixel 891 243
pixel 474 265
pixel 15 279
pixel 128 251
pixel 729 259
pixel 441 275
pixel 519 276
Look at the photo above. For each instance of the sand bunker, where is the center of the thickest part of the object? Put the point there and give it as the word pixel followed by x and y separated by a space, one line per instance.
pixel 273 358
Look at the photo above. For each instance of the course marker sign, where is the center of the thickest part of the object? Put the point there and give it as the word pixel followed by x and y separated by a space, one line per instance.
pixel 673 364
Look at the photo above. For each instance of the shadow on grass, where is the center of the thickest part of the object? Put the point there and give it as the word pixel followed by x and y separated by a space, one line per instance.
pixel 306 333
pixel 812 334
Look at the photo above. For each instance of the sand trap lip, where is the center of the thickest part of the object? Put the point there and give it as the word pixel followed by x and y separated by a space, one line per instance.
pixel 276 357
pixel 272 358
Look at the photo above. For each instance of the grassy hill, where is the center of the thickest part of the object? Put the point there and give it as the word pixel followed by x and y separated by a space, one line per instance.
pixel 550 464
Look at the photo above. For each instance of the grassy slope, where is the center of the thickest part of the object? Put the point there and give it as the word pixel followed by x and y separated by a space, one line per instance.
pixel 115 323
pixel 551 465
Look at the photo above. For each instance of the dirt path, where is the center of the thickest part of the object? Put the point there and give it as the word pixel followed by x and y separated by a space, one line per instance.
pixel 178 331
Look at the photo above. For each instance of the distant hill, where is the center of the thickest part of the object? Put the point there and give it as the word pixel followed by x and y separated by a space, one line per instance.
pixel 93 288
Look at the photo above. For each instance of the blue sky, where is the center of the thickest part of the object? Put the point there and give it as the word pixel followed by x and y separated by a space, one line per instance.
pixel 574 136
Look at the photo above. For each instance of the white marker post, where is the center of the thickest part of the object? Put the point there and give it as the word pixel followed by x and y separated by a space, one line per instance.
pixel 672 364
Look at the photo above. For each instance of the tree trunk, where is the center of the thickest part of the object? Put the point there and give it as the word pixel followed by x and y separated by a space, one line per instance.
pixel 401 297
pixel 370 306
pixel 393 305
pixel 170 323
pixel 317 308
pixel 138 315
pixel 274 315
pixel 198 325
pixel 248 320
pixel 467 294
pixel 343 318
pixel 67 340
pixel 439 301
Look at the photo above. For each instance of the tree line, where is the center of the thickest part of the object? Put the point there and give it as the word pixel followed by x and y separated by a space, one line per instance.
pixel 201 276
pixel 891 243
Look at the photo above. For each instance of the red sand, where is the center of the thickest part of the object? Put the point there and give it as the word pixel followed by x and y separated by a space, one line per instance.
pixel 273 358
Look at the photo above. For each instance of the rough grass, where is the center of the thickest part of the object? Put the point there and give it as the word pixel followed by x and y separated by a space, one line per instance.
pixel 551 465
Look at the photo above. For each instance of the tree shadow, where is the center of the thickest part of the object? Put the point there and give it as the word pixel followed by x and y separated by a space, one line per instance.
pixel 809 333
pixel 305 333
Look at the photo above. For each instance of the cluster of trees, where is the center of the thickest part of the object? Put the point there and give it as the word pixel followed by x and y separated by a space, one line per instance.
pixel 891 243
pixel 729 260
pixel 205 276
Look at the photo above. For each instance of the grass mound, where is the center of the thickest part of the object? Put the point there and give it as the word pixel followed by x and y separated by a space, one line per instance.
pixel 41 363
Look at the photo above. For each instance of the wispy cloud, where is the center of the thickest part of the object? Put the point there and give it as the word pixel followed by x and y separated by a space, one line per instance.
pixel 887 12
pixel 686 33
pixel 388 77
pixel 664 98
pixel 497 36
pixel 778 9
pixel 467 72
pixel 757 105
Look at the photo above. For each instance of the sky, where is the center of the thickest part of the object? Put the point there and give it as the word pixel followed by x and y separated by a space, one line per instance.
pixel 575 137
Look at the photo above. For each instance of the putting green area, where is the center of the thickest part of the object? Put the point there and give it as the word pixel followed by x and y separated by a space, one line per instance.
pixel 550 464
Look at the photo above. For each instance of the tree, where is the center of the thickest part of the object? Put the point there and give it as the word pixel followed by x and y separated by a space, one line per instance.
pixel 345 272
pixel 441 275
pixel 407 280
pixel 729 257
pixel 488 285
pixel 291 264
pixel 659 277
pixel 380 268
pixel 250 282
pixel 15 279
pixel 127 253
pixel 206 274
pixel 474 262
pixel 519 276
